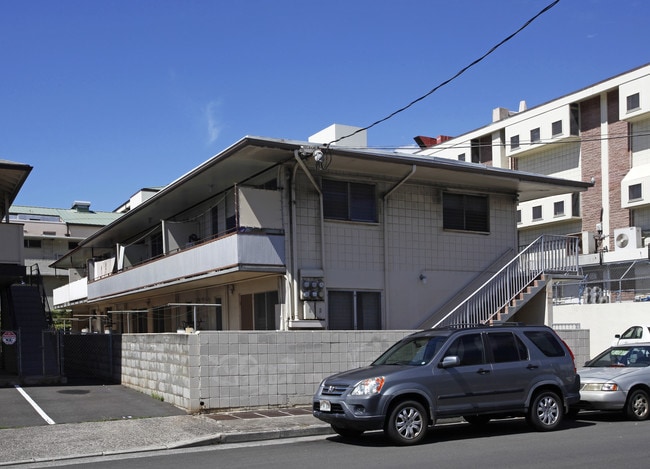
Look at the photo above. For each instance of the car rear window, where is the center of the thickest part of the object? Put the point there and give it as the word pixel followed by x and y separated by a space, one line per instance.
pixel 546 342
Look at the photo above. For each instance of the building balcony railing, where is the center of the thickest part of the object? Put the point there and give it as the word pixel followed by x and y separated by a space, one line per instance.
pixel 235 253
pixel 72 293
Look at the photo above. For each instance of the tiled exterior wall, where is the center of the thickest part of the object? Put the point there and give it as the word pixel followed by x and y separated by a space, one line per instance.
pixel 226 370
pixel 555 160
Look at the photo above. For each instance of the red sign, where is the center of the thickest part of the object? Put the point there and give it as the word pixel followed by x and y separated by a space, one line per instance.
pixel 8 337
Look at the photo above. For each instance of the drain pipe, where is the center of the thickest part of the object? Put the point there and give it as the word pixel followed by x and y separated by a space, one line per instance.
pixel 384 216
pixel 301 164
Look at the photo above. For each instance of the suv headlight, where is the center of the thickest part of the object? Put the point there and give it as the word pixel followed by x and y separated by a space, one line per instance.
pixel 368 387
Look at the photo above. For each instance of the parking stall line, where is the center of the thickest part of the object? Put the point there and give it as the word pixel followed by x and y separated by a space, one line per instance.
pixel 40 411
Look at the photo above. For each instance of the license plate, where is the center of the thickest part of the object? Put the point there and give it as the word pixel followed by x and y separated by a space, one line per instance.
pixel 325 406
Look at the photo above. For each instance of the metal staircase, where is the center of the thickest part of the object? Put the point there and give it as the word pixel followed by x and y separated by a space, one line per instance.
pixel 500 297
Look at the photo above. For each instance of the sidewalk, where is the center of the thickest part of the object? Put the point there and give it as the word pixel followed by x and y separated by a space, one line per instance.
pixel 68 441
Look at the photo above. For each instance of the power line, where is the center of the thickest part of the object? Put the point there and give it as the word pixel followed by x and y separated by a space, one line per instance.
pixel 459 73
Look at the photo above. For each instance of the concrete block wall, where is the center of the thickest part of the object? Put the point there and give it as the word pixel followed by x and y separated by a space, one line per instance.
pixel 244 369
pixel 238 369
pixel 163 365
pixel 578 341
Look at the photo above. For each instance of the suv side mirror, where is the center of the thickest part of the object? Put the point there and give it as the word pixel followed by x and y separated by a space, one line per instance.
pixel 449 362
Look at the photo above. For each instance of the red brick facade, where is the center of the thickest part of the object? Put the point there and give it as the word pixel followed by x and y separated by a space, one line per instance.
pixel 591 162
pixel 618 163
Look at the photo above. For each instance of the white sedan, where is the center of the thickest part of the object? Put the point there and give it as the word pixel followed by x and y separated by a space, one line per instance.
pixel 618 379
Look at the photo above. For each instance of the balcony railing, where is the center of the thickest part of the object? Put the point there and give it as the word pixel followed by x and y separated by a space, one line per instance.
pixel 237 252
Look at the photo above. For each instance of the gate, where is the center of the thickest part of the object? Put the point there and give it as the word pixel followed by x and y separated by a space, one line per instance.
pixel 90 356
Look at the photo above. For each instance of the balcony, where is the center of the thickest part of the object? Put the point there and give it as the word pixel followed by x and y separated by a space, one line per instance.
pixel 72 293
pixel 241 252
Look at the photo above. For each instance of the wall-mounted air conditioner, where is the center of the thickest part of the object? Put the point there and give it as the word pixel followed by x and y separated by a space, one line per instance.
pixel 628 238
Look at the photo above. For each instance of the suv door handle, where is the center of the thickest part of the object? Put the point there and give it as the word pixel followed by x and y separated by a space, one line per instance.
pixel 483 371
pixel 532 367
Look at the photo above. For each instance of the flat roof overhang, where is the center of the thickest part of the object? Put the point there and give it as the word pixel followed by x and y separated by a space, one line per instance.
pixel 253 156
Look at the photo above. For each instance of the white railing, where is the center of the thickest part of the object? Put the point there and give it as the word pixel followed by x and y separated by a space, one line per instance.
pixel 557 254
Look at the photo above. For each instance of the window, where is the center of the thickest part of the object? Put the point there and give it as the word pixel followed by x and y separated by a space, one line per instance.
pixel 574 123
pixel 72 244
pixel 534 135
pixel 349 201
pixel 558 209
pixel 575 204
pixel 32 243
pixel 354 310
pixel 461 157
pixel 518 216
pixel 514 142
pixel 633 102
pixel 468 348
pixel 264 310
pixel 506 347
pixel 634 192
pixel 537 212
pixel 465 212
pixel 156 244
pixel 556 128
pixel 546 342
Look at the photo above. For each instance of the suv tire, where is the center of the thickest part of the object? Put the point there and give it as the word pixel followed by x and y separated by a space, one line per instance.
pixel 407 423
pixel 546 411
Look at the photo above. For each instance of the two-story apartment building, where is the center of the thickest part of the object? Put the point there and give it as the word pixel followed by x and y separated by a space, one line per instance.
pixel 272 234
pixel 49 233
pixel 601 134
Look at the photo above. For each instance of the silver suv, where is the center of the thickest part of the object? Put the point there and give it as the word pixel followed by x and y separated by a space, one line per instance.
pixel 477 372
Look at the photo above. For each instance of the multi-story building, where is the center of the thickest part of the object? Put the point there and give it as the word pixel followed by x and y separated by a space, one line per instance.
pixel 600 134
pixel 271 234
pixel 49 233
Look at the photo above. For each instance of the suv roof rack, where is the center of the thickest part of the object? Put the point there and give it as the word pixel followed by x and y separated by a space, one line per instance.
pixel 481 325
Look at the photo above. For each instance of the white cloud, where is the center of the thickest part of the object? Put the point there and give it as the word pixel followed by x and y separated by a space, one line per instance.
pixel 212 120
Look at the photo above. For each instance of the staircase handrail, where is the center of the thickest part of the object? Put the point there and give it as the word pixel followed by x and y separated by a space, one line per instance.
pixel 36 279
pixel 548 253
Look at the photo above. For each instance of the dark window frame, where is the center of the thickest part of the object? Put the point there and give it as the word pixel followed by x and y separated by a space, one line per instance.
pixel 465 212
pixel 514 142
pixel 635 192
pixel 633 102
pixel 556 128
pixel 535 135
pixel 349 201
pixel 537 212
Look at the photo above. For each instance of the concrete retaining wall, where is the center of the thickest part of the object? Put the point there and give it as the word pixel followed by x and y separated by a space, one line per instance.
pixel 232 369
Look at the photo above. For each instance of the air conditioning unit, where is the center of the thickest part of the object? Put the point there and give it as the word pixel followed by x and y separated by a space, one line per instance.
pixel 628 238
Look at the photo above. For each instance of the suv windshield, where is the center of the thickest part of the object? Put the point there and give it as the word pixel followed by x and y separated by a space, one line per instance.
pixel 416 351
pixel 622 356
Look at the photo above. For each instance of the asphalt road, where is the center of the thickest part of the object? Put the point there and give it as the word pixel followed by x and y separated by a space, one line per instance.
pixel 593 441
pixel 77 402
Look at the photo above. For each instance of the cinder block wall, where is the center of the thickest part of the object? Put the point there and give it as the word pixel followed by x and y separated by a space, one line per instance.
pixel 237 369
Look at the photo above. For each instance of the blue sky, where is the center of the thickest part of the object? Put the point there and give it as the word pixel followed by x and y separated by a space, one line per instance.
pixel 106 97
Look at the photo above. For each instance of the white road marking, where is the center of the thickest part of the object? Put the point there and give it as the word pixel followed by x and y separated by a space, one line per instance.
pixel 40 411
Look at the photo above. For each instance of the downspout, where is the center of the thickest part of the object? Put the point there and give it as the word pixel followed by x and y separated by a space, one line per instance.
pixel 294 248
pixel 384 218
